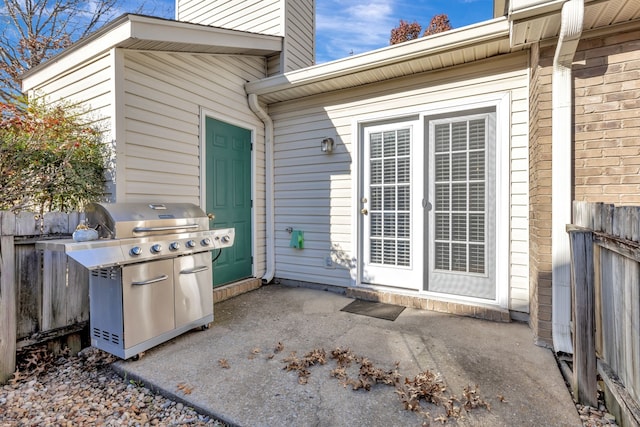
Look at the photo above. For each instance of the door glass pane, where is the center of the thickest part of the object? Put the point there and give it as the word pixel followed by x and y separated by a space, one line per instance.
pixel 390 194
pixel 460 199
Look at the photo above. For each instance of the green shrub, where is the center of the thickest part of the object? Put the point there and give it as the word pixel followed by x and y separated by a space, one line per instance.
pixel 50 159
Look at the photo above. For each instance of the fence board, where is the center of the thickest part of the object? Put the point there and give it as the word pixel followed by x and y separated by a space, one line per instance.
pixel 585 385
pixel 77 293
pixel 630 316
pixel 617 293
pixel 27 224
pixel 29 286
pixel 63 305
pixel 30 312
pixel 8 315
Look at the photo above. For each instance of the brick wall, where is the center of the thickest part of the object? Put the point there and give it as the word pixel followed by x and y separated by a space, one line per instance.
pixel 606 152
pixel 540 194
pixel 607 119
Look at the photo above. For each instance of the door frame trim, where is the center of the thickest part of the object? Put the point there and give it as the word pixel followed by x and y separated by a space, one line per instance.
pixel 501 101
pixel 202 145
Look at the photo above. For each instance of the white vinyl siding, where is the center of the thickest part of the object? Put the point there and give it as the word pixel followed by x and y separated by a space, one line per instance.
pixel 314 191
pixel 519 204
pixel 163 95
pixel 292 19
pixel 88 87
pixel 299 48
pixel 256 16
pixel 273 65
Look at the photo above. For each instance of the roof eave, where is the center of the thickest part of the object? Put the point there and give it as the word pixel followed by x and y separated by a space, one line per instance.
pixel 131 30
pixel 426 46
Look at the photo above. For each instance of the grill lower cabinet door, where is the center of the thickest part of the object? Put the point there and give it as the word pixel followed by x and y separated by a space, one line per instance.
pixel 147 298
pixel 193 291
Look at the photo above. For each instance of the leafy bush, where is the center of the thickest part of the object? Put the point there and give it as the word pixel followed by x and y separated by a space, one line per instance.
pixel 50 159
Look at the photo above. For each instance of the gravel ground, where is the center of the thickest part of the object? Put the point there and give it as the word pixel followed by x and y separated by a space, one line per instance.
pixel 83 390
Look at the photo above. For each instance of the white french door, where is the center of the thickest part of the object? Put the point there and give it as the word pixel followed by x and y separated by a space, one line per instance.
pixel 428 204
pixel 461 224
pixel 390 205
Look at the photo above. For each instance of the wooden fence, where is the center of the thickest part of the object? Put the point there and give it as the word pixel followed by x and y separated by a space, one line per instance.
pixel 605 243
pixel 42 296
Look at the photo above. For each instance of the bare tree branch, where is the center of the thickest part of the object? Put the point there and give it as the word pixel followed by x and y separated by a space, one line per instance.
pixel 35 30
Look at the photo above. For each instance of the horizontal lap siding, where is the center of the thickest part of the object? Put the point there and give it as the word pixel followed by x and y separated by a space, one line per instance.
pixel 257 16
pixel 300 35
pixel 314 190
pixel 163 94
pixel 90 88
pixel 519 206
pixel 293 19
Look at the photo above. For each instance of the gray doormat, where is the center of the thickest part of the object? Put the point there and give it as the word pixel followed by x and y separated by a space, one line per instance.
pixel 379 310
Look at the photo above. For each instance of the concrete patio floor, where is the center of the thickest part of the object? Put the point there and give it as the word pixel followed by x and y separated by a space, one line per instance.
pixel 234 372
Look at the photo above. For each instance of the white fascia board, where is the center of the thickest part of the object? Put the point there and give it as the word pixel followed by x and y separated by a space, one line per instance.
pixel 153 29
pixel 527 9
pixel 423 47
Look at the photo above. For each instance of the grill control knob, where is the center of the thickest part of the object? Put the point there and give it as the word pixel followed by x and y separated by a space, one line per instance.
pixel 156 248
pixel 174 246
pixel 191 243
pixel 206 241
pixel 135 251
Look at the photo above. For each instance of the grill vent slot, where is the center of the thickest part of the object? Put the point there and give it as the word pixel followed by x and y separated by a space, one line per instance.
pixel 106 273
pixel 104 335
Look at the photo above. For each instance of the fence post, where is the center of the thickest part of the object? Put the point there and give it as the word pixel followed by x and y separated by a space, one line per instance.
pixel 584 350
pixel 8 297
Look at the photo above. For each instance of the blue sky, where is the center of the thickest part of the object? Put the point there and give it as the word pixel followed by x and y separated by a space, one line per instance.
pixel 345 27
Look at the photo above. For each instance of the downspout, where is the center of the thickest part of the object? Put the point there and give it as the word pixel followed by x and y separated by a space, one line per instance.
pixel 268 165
pixel 561 170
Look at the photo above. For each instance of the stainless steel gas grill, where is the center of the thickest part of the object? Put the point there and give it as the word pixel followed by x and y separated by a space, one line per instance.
pixel 150 273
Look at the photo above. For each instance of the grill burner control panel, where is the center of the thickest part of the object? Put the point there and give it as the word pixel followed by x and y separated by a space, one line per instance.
pixel 174 245
pixel 111 252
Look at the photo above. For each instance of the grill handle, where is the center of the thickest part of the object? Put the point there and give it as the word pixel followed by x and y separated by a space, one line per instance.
pixel 166 228
pixel 150 281
pixel 195 270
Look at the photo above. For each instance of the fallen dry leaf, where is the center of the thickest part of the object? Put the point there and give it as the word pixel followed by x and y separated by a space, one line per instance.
pixel 427 386
pixel 441 418
pixel 223 363
pixel 186 389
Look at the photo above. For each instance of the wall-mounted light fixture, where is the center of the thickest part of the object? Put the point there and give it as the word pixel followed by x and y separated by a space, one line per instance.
pixel 326 146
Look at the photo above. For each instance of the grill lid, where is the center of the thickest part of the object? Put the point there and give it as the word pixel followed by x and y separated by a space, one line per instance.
pixel 125 220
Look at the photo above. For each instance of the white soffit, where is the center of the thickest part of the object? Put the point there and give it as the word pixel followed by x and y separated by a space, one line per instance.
pixel 536 20
pixel 443 50
pixel 155 34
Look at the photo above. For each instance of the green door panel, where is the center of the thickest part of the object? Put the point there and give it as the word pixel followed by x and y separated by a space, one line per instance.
pixel 228 196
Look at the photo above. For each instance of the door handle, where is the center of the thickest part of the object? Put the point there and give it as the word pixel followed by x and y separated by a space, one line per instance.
pixel 195 270
pixel 364 212
pixel 151 281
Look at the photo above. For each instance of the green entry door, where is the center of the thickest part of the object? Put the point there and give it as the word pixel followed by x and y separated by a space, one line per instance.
pixel 228 196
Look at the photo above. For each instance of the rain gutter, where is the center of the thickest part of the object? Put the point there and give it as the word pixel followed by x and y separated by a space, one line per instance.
pixel 269 189
pixel 561 183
